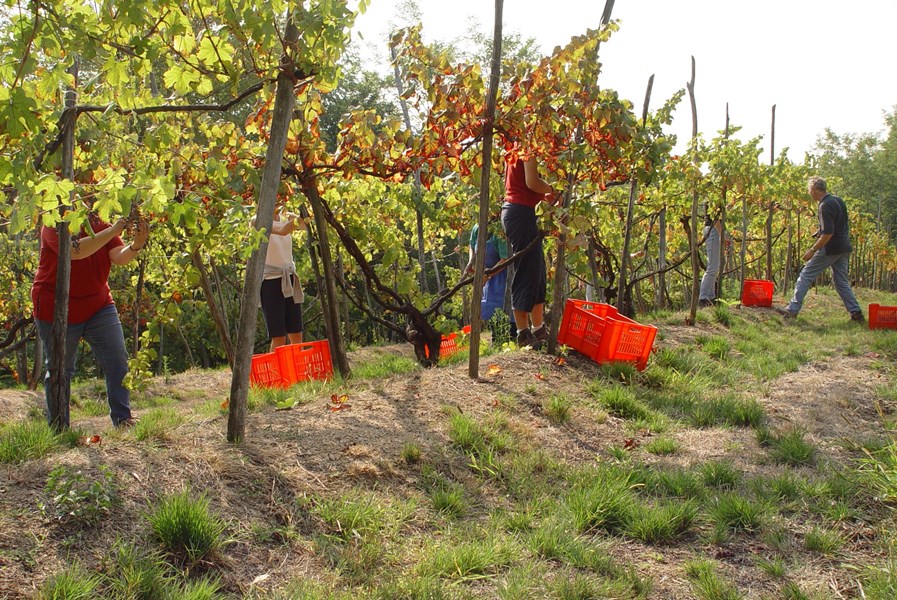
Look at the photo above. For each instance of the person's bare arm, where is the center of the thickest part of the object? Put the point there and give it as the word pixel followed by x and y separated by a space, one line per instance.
pixel 533 180
pixel 122 255
pixel 88 245
pixel 291 224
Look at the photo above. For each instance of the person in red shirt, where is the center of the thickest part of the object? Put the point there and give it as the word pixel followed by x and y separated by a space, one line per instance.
pixel 524 189
pixel 92 313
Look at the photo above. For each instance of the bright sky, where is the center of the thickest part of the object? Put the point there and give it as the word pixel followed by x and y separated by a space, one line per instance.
pixel 823 63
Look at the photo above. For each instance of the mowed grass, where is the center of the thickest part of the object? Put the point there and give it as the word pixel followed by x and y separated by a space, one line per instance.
pixel 525 494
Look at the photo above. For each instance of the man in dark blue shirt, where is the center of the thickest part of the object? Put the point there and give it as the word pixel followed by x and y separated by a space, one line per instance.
pixel 832 249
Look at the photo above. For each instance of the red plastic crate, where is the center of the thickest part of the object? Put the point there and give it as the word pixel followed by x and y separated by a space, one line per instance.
pixel 447 346
pixel 882 317
pixel 265 371
pixel 574 322
pixel 302 362
pixel 601 333
pixel 756 292
pixel 626 341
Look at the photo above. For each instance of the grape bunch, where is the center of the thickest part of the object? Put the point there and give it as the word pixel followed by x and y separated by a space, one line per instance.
pixel 134 219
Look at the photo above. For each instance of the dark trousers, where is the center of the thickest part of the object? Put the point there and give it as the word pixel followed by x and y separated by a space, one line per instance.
pixel 528 280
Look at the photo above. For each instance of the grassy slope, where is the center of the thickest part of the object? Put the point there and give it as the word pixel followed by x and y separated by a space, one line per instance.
pixel 729 468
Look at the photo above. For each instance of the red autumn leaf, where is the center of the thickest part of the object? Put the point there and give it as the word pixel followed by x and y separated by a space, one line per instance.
pixel 225 405
pixel 560 361
pixel 339 407
pixel 539 376
pixel 89 440
pixel 493 370
pixel 334 399
pixel 630 444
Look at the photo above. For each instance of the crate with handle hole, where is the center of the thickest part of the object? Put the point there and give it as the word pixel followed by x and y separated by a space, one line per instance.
pixel 882 317
pixel 305 361
pixel 757 292
pixel 599 331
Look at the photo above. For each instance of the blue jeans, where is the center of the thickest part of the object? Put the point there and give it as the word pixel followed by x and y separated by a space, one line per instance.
pixel 816 265
pixel 104 334
pixel 708 283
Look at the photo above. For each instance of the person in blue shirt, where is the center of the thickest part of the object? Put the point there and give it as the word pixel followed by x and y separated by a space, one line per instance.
pixel 831 249
pixel 494 287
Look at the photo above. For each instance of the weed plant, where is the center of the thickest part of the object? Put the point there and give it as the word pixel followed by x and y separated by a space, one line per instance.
pixel 26 440
pixel 662 446
pixel 557 408
pixel 719 474
pixel 737 513
pixel 470 559
pixel 186 527
pixel 158 424
pixel 707 584
pixel 823 541
pixel 137 573
pixel 75 499
pixel 72 583
pixel 661 523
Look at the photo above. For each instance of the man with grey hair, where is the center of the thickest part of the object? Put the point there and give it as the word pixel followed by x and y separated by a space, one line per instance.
pixel 832 249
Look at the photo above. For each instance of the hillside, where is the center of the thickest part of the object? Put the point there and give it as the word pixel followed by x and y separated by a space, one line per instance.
pixel 730 468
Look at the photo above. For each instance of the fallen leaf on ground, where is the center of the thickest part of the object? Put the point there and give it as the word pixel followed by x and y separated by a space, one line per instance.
pixel 225 405
pixel 539 376
pixel 630 444
pixel 493 370
pixel 338 403
pixel 872 355
pixel 560 361
pixel 89 440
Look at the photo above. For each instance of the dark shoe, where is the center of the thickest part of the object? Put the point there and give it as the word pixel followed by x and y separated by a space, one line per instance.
pixel 129 422
pixel 526 339
pixel 858 317
pixel 787 314
pixel 541 334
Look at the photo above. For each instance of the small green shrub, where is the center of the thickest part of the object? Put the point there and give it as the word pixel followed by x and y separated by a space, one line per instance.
pixel 75 499
pixel 186 527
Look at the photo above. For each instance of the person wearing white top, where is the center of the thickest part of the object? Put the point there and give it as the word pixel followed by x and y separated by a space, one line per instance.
pixel 281 292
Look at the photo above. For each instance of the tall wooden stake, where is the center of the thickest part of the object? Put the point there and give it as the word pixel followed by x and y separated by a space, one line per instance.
pixel 284 99
pixel 693 225
pixel 633 194
pixel 59 385
pixel 473 365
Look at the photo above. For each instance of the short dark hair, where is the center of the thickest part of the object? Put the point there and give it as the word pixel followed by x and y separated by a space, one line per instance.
pixel 816 183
